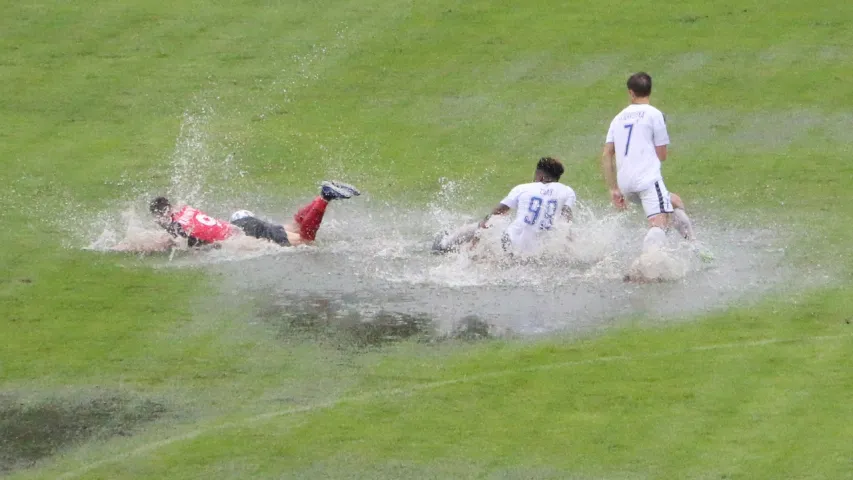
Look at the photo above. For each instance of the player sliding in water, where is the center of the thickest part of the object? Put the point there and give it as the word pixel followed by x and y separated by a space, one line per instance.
pixel 200 229
pixel 539 206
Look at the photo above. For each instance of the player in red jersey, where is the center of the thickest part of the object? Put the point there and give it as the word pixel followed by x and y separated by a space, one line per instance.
pixel 201 229
pixel 193 224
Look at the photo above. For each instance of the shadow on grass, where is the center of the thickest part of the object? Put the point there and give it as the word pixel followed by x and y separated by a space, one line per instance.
pixel 328 321
pixel 32 431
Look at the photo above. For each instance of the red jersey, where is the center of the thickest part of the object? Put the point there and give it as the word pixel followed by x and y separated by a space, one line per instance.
pixel 197 224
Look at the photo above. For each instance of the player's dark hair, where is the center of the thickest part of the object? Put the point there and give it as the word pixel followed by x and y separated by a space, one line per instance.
pixel 641 84
pixel 551 167
pixel 159 206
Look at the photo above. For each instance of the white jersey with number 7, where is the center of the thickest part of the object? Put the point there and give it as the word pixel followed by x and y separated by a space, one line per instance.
pixel 538 207
pixel 635 133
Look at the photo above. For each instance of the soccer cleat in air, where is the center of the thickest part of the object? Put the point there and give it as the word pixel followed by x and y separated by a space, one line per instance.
pixel 337 190
pixel 354 191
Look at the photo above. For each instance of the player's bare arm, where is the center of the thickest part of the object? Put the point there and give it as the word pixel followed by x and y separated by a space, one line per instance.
pixel 567 214
pixel 608 167
pixel 661 152
pixel 501 209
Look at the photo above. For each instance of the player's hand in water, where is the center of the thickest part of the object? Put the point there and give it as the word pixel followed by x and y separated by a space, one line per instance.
pixel 618 199
pixel 501 209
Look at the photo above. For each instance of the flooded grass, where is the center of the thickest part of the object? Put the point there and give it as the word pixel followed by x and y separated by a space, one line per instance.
pixel 30 432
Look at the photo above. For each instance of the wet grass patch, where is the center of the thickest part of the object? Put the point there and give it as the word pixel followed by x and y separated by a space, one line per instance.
pixel 31 431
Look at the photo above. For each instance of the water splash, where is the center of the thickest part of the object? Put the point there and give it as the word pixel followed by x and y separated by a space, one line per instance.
pixel 380 253
pixel 190 159
pixel 129 230
pixel 372 256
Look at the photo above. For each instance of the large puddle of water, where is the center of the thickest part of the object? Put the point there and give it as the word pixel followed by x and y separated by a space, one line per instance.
pixel 372 260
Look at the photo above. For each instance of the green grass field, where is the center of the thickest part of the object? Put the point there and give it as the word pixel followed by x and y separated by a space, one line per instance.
pixel 113 369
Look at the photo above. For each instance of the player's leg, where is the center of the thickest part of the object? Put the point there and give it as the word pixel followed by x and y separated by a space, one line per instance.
pixel 648 201
pixel 676 200
pixel 308 218
pixel 451 241
pixel 655 238
pixel 657 206
pixel 293 237
pixel 255 227
pixel 680 220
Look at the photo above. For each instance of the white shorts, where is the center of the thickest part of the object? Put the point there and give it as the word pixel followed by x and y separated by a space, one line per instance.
pixel 655 200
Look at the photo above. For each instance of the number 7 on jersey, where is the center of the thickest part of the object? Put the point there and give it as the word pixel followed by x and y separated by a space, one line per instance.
pixel 630 128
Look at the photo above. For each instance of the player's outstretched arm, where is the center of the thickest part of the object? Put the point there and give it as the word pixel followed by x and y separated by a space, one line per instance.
pixel 154 245
pixel 501 209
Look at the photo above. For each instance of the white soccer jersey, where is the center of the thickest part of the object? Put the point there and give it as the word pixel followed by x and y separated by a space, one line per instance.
pixel 538 206
pixel 635 133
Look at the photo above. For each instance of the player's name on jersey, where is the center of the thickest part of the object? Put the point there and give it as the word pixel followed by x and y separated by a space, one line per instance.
pixel 632 115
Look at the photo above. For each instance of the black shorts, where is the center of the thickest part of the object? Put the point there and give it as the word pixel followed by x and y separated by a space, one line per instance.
pixel 258 228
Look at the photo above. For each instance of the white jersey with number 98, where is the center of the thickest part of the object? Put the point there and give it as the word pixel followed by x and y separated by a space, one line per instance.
pixel 538 207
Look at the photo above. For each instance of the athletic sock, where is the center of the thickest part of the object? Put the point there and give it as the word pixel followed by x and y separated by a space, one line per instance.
pixel 310 217
pixel 682 223
pixel 655 239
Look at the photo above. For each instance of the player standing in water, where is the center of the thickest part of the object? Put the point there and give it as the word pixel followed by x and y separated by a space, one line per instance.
pixel 201 229
pixel 539 205
pixel 637 140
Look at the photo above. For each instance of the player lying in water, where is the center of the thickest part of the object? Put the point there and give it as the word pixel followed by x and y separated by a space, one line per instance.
pixel 539 205
pixel 200 229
